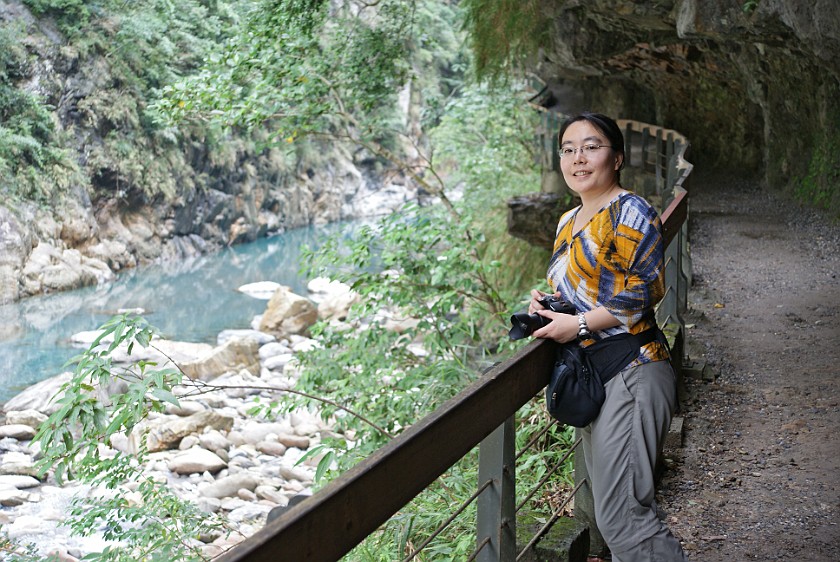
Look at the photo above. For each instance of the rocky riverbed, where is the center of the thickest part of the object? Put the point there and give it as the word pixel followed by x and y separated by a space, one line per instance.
pixel 209 449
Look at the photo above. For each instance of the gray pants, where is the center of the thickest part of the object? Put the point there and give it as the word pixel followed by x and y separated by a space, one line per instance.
pixel 620 450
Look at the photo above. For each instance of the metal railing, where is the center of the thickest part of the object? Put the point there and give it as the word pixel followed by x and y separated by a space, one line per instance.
pixel 333 521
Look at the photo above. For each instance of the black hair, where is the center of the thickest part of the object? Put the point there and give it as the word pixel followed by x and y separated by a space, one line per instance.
pixel 606 125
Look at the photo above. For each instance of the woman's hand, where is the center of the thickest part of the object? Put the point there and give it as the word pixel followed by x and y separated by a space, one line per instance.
pixel 562 328
pixel 535 305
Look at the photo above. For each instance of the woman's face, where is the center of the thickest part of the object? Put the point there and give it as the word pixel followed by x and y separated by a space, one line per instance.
pixel 588 171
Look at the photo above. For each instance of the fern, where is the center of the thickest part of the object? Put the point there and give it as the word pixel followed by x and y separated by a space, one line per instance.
pixel 505 33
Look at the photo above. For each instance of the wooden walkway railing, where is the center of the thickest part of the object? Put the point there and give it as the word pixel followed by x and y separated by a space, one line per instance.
pixel 328 525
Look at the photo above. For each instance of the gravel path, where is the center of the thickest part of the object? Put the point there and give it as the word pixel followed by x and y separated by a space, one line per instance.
pixel 758 476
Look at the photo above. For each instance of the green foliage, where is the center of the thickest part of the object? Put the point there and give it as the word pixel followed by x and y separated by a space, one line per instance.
pixel 32 163
pixel 79 408
pixel 70 15
pixel 821 185
pixel 484 143
pixel 749 6
pixel 413 266
pixel 439 58
pixel 160 528
pixel 127 52
pixel 157 527
pixel 148 44
pixel 301 72
pixel 412 526
pixel 505 33
pixel 439 271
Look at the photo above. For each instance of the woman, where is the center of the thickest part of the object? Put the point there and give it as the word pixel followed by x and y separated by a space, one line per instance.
pixel 608 262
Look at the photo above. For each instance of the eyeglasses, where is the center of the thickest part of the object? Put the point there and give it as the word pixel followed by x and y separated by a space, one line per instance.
pixel 587 149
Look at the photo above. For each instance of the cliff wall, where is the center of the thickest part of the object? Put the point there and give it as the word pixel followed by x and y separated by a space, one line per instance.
pixel 754 85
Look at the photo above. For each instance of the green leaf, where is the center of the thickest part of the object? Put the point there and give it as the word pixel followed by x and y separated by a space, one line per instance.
pixel 165 396
pixel 324 465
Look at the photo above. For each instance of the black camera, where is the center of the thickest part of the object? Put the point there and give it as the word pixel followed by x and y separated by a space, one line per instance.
pixel 524 324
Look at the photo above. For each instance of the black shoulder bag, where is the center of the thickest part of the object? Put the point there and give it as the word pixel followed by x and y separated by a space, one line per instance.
pixel 575 393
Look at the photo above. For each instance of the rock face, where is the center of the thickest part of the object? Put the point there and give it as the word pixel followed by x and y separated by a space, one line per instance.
pixel 753 85
pixel 530 217
pixel 15 245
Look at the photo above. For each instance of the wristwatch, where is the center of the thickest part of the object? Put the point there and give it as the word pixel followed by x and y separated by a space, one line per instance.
pixel 583 329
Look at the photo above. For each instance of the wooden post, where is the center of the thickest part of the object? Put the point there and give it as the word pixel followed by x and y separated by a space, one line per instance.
pixel 670 164
pixel 585 504
pixel 657 163
pixel 497 504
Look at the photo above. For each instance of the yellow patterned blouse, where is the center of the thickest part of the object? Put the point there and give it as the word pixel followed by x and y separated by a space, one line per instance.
pixel 615 261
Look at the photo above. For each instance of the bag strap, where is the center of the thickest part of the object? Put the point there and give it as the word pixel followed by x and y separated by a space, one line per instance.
pixel 642 338
pixel 646 337
pixel 636 341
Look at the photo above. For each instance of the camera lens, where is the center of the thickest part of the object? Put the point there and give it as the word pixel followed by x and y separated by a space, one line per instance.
pixel 524 324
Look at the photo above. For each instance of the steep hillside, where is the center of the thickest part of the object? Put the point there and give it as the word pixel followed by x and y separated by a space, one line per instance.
pixel 93 183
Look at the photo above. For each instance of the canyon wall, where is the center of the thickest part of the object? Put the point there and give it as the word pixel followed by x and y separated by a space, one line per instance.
pixel 755 85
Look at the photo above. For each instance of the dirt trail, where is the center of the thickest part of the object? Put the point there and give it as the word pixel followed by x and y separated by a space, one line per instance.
pixel 758 477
